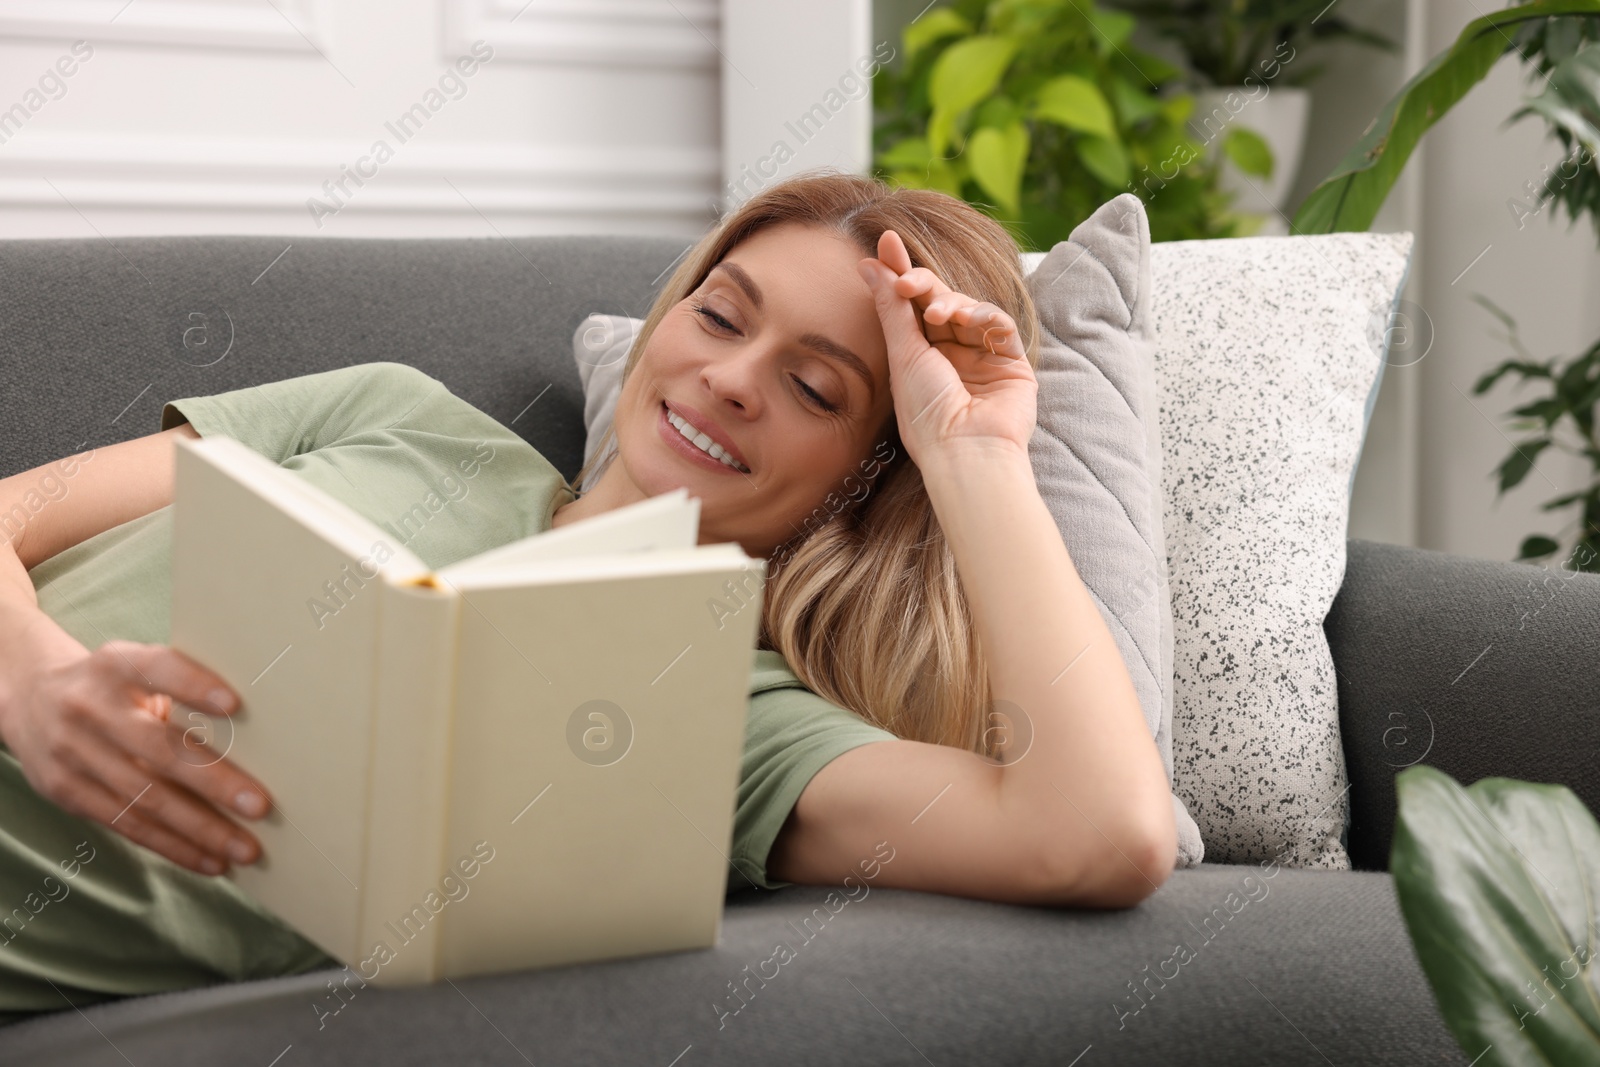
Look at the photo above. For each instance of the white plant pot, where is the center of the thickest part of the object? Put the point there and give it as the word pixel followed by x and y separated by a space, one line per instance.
pixel 1279 115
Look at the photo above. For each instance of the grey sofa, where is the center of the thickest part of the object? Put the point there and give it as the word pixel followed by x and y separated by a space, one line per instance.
pixel 1471 666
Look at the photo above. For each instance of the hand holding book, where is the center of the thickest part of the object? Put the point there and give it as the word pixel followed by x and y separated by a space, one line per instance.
pixel 94 732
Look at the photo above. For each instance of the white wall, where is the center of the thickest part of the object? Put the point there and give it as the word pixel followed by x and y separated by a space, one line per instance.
pixel 797 90
pixel 226 116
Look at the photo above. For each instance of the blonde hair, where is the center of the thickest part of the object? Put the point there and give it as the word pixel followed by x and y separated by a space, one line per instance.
pixel 866 605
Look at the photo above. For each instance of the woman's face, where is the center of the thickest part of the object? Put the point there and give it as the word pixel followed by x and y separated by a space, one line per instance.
pixel 779 357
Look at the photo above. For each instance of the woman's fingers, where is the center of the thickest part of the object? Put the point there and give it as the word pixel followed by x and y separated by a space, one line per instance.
pixel 986 326
pixel 93 801
pixel 940 313
pixel 161 801
pixel 161 669
pixel 131 672
pixel 901 331
pixel 893 252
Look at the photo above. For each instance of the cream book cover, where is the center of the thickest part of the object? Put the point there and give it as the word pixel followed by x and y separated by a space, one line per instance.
pixel 527 758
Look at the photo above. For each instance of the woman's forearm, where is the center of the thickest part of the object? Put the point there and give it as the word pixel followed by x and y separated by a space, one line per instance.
pixel 1092 780
pixel 15 585
pixel 22 627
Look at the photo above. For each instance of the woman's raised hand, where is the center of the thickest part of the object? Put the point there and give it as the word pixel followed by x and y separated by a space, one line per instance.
pixel 960 376
pixel 93 732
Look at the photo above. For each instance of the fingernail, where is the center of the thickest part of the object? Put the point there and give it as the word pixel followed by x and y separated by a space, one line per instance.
pixel 239 850
pixel 211 865
pixel 251 804
pixel 221 698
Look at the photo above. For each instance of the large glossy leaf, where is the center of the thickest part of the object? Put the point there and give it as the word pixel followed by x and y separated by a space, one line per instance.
pixel 1499 884
pixel 1349 198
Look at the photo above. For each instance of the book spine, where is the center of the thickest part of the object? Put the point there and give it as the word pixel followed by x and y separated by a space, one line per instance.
pixel 407 803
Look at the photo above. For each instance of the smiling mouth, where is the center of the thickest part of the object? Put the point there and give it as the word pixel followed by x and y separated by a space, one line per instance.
pixel 695 439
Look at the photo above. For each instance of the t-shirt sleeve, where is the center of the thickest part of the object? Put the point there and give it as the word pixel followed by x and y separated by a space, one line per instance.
pixel 791 734
pixel 433 472
pixel 294 416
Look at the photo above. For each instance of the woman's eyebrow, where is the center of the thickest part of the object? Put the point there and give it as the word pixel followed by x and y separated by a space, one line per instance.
pixel 814 341
pixel 743 280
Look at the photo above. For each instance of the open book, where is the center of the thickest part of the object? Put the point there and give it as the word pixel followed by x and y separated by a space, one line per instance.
pixel 527 758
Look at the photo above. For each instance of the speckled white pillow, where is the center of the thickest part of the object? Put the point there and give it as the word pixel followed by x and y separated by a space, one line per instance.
pixel 1269 349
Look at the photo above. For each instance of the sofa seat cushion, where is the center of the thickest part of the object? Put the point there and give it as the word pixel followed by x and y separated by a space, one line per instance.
pixel 1277 969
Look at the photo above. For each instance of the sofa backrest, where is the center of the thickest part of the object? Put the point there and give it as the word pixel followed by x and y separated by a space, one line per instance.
pixel 96 334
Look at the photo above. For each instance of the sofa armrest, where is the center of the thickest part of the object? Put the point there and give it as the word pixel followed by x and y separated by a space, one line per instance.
pixel 1476 667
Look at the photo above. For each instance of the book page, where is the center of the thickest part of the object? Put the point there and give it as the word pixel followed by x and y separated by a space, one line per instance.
pixel 671 520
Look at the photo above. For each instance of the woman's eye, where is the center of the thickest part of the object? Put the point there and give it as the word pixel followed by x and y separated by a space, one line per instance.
pixel 820 400
pixel 707 313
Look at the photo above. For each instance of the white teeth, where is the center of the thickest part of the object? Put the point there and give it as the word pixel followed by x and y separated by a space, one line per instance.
pixel 703 442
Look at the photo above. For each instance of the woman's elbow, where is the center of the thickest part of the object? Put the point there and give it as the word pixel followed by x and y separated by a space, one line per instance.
pixel 1126 868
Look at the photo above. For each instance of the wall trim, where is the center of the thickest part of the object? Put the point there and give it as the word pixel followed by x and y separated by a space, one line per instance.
pixel 172 172
pixel 606 33
pixel 184 23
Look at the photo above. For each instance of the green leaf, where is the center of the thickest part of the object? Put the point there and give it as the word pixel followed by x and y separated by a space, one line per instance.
pixel 1104 158
pixel 941 128
pixel 1561 502
pixel 1134 105
pixel 1248 151
pixel 1112 29
pixel 1077 104
pixel 934 25
pixel 963 75
pixel 1547 410
pixel 996 157
pixel 940 174
pixel 911 152
pixel 999 111
pixel 1526 370
pixel 1537 547
pixel 1178 108
pixel 1349 198
pixel 1571 98
pixel 1499 885
pixel 1517 465
pixel 969 70
pixel 1495 309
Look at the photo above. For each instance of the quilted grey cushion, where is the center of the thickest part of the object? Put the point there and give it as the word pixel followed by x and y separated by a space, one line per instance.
pixel 1095 450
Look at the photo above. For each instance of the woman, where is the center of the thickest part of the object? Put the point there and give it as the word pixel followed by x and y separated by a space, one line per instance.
pixel 843 374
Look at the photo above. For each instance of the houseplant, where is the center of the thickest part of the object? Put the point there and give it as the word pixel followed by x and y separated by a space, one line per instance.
pixel 1252 55
pixel 1558 40
pixel 1038 112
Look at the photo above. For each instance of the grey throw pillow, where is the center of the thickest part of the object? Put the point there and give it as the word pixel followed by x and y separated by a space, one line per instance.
pixel 1095 451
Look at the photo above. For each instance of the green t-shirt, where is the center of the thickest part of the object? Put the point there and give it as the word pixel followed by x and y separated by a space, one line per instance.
pixel 99 916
